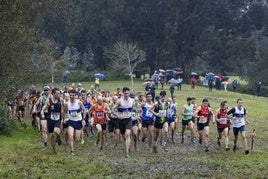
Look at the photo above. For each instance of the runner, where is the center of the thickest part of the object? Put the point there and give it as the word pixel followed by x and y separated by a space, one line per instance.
pixel 113 125
pixel 147 119
pixel 124 107
pixel 239 117
pixel 65 124
pixel 171 118
pixel 86 123
pixel 55 111
pixel 203 114
pixel 223 124
pixel 21 103
pixel 43 120
pixel 100 111
pixel 35 117
pixel 73 115
pixel 135 121
pixel 160 111
pixel 187 113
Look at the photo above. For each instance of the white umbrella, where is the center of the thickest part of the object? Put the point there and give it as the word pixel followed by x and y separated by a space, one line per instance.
pixel 161 70
pixel 146 83
pixel 173 81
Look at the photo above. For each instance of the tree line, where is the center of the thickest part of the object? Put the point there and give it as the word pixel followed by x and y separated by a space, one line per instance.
pixel 52 36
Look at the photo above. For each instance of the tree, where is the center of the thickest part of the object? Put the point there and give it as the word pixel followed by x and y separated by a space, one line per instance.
pixel 125 57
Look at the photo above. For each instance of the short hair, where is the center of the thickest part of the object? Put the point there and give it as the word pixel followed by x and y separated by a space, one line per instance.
pixel 148 93
pixel 72 91
pixel 54 90
pixel 83 91
pixel 126 89
pixel 223 103
pixel 239 100
pixel 189 99
pixel 205 100
pixel 163 93
pixel 193 98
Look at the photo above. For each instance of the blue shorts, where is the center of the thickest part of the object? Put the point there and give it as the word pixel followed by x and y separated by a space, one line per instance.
pixel 236 130
pixel 77 125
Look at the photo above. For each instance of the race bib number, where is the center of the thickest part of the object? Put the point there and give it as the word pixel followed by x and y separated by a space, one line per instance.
pixel 239 120
pixel 100 115
pixel 134 115
pixel 189 113
pixel 74 114
pixel 148 114
pixel 126 114
pixel 55 116
pixel 162 113
pixel 223 120
pixel 202 120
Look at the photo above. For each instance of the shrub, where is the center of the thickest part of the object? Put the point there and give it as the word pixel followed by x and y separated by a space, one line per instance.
pixel 7 126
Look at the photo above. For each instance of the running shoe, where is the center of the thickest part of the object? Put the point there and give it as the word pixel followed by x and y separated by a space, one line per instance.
pixel 227 148
pixel 246 152
pixel 165 148
pixel 97 142
pixel 200 141
pixel 234 148
pixel 72 153
pixel 207 150
pixel 82 141
pixel 45 148
pixel 155 149
pixel 58 140
pixel 218 141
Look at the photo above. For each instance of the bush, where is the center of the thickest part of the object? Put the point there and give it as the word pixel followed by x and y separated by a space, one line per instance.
pixel 7 126
pixel 249 89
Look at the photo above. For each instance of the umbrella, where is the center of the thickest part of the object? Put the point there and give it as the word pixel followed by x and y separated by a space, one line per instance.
pixel 161 75
pixel 99 75
pixel 161 70
pixel 216 76
pixel 177 69
pixel 210 76
pixel 194 74
pixel 173 81
pixel 146 83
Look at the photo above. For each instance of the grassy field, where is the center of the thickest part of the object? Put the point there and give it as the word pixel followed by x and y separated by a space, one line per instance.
pixel 21 155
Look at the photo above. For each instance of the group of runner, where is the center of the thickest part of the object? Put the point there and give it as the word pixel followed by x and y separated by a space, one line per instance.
pixel 125 115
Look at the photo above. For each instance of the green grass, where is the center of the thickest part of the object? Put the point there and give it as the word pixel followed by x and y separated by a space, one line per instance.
pixel 21 155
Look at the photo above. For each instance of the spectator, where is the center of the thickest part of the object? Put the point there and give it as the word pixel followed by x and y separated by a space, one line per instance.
pixel 171 89
pixel 234 85
pixel 258 88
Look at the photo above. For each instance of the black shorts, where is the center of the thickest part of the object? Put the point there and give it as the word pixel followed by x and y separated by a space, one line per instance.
pixel 103 126
pixel 51 124
pixel 34 115
pixel 158 124
pixel 169 122
pixel 113 124
pixel 185 122
pixel 146 124
pixel 21 108
pixel 201 126
pixel 135 123
pixel 124 124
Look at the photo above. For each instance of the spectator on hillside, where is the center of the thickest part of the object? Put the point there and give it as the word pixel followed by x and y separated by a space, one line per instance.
pixel 179 83
pixel 258 88
pixel 171 89
pixel 234 85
